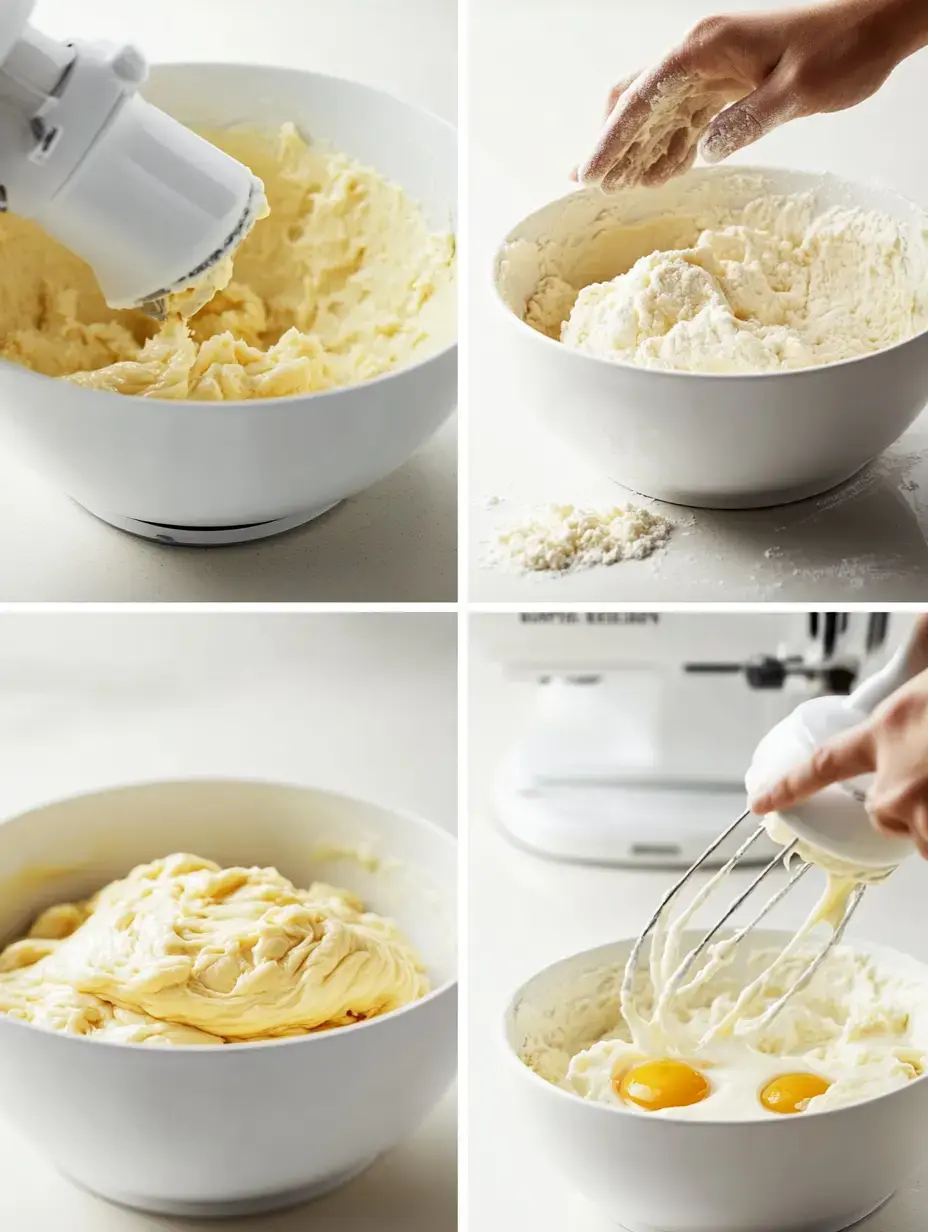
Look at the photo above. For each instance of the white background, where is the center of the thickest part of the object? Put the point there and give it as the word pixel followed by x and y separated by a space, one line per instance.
pixel 359 703
pixel 395 542
pixel 527 912
pixel 540 71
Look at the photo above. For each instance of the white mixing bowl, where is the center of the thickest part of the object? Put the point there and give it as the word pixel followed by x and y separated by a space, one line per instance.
pixel 211 473
pixel 724 441
pixel 234 1128
pixel 816 1173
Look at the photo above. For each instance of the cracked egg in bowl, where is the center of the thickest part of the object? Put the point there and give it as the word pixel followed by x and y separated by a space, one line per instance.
pixel 807 1128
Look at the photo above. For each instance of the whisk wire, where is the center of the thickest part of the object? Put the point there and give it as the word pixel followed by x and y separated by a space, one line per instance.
pixel 631 965
pixel 759 1024
pixel 665 937
pixel 687 964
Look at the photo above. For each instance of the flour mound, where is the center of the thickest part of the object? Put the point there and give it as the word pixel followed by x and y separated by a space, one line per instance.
pixel 769 287
pixel 562 538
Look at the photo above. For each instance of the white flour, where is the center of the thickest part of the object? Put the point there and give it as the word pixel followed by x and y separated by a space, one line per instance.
pixel 766 287
pixel 561 538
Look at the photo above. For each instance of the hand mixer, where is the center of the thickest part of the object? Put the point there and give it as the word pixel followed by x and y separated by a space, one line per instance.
pixel 831 828
pixel 149 205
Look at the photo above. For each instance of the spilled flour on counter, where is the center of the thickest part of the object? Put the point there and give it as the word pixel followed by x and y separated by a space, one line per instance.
pixel 564 538
pixel 774 283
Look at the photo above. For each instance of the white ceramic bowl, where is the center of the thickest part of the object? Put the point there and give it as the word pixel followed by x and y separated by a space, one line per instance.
pixel 817 1173
pixel 212 473
pixel 715 441
pixel 226 1129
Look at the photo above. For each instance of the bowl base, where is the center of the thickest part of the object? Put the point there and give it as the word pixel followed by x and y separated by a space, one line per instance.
pixel 764 499
pixel 261 1205
pixel 845 1222
pixel 209 536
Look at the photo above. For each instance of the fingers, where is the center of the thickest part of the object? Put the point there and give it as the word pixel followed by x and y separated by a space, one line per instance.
pixel 902 814
pixel 625 118
pixel 744 122
pixel 614 95
pixel 847 755
pixel 918 829
pixel 674 162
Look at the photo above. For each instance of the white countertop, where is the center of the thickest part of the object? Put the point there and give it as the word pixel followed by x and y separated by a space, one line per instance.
pixel 552 910
pixel 396 542
pixel 361 703
pixel 540 72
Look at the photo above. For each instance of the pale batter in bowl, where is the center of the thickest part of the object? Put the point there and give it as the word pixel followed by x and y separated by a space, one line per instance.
pixel 855 1032
pixel 342 282
pixel 182 951
pixel 698 1046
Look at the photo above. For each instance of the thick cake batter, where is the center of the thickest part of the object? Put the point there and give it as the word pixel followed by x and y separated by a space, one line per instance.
pixel 341 283
pixel 182 951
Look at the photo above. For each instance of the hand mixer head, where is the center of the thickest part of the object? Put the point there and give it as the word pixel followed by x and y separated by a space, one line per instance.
pixel 149 205
pixel 835 820
pixel 831 829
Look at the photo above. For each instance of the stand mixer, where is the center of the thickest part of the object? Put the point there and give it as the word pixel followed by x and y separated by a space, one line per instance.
pixel 150 206
pixel 644 723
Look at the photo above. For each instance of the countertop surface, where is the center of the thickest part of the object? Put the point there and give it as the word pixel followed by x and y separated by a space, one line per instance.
pixel 552 910
pixel 91 700
pixel 396 542
pixel 862 542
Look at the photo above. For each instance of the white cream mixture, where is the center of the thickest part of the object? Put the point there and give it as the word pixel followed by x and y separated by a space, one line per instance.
pixel 858 1027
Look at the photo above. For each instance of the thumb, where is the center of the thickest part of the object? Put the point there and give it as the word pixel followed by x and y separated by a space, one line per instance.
pixel 744 122
pixel 841 758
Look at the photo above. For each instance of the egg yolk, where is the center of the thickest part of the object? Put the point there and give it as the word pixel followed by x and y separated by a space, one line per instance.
pixel 662 1084
pixel 792 1092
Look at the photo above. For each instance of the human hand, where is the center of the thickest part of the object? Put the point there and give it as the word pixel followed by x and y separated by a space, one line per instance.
pixel 893 743
pixel 735 78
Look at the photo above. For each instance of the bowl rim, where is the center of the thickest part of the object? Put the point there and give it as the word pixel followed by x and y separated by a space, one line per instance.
pixel 449 348
pixel 447 988
pixel 600 1109
pixel 677 374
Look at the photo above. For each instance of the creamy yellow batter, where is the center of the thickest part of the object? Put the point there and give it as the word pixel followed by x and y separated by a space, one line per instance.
pixel 182 951
pixel 342 282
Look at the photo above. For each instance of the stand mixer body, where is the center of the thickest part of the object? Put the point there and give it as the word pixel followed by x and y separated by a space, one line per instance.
pixel 644 723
